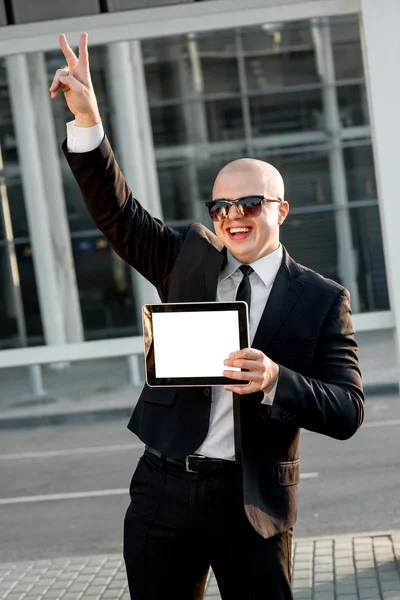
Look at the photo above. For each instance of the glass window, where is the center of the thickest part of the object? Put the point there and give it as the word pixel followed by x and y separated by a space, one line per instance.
pixel 179 191
pixel 367 240
pixel 8 320
pixel 360 173
pixel 259 91
pixel 217 43
pixel 220 75
pixel 352 103
pixel 346 46
pixel 284 113
pixel 306 176
pixel 30 297
pixel 312 241
pixel 277 37
pixel 105 289
pixel 225 119
pixel 279 71
pixel 216 96
pixel 168 125
pixel 17 205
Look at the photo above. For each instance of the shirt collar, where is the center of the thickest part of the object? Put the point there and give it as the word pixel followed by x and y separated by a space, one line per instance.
pixel 266 267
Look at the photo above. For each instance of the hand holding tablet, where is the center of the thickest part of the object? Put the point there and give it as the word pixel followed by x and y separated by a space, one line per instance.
pixel 186 343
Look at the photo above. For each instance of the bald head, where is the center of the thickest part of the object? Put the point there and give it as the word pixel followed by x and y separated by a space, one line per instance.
pixel 260 175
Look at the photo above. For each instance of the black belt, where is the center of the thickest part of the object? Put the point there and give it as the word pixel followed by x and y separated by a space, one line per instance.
pixel 196 463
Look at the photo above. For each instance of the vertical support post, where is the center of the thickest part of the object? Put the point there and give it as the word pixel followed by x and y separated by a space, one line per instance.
pixel 35 382
pixel 381 48
pixel 52 181
pixel 128 132
pixel 35 200
pixel 345 249
pixel 132 363
pixel 145 130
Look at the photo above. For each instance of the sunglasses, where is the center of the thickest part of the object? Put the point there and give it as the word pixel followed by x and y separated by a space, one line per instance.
pixel 248 206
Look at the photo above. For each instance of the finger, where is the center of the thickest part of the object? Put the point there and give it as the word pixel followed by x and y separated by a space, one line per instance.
pixel 241 389
pixel 68 82
pixel 242 363
pixel 250 353
pixel 56 80
pixel 66 49
pixel 83 51
pixel 241 375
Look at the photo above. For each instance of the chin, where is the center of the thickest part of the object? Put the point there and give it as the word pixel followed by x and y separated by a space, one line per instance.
pixel 242 256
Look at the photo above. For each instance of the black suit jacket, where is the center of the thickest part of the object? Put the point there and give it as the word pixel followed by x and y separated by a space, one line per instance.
pixel 306 328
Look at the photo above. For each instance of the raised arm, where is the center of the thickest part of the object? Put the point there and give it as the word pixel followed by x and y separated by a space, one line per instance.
pixel 142 241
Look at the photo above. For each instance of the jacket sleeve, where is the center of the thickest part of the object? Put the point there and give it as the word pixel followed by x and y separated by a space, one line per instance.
pixel 332 401
pixel 141 240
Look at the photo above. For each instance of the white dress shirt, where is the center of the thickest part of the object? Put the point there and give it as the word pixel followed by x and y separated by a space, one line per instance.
pixel 219 442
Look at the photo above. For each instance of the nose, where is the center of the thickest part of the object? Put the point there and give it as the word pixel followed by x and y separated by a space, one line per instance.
pixel 236 212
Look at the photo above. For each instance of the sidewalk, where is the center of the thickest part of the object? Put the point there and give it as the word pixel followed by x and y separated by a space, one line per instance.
pixel 95 390
pixel 346 567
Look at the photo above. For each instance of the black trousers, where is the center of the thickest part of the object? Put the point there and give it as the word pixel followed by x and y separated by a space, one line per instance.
pixel 178 524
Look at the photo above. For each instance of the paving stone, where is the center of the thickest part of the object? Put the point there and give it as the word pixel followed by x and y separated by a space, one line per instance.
pixel 346 568
pixel 324 596
pixel 371 594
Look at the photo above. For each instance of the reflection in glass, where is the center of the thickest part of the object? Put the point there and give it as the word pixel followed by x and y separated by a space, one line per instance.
pixel 225 120
pixel 306 176
pixel 213 97
pixel 359 163
pixel 353 109
pixel 370 259
pixel 278 71
pixel 283 113
pixel 105 289
pixel 312 239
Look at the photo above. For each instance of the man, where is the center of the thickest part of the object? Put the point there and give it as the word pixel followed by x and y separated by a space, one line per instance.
pixel 217 483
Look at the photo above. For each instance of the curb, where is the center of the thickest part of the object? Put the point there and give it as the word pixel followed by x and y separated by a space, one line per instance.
pixel 84 417
pixel 381 389
pixel 341 536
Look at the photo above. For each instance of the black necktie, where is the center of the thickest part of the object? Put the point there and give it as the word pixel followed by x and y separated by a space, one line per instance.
pixel 244 289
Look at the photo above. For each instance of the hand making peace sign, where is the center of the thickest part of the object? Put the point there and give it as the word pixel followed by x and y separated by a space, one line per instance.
pixel 75 81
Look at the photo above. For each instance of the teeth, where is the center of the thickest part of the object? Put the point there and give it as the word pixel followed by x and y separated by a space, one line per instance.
pixel 239 229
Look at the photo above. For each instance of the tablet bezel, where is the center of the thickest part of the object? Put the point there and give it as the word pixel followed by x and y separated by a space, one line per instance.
pixel 147 312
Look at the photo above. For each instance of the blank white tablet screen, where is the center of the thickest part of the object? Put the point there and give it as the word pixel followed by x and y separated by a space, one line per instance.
pixel 194 344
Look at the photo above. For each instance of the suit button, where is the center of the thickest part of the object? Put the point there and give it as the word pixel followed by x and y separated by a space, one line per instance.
pixel 206 392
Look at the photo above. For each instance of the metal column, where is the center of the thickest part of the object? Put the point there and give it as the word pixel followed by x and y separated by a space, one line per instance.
pixel 346 254
pixel 53 186
pixel 145 130
pixel 125 100
pixel 35 200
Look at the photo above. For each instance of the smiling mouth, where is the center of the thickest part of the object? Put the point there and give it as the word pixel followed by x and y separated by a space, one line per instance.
pixel 239 233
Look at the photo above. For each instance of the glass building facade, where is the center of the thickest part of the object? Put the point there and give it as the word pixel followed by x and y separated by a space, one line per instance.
pixel 292 94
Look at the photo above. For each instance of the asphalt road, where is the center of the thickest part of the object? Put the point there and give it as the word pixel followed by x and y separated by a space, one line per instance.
pixel 63 490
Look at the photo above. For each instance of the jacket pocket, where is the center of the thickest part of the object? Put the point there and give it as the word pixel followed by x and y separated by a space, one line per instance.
pixel 288 472
pixel 159 395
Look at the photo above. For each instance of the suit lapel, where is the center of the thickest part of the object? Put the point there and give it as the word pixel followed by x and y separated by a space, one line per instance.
pixel 285 292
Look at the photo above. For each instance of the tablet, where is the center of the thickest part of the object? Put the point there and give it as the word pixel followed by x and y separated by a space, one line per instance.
pixel 186 343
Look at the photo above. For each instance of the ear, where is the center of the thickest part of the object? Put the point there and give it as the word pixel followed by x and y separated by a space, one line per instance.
pixel 283 212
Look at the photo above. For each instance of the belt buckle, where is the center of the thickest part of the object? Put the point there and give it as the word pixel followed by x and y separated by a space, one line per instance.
pixel 187 458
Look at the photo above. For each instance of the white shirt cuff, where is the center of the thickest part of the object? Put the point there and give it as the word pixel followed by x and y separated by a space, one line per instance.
pixel 269 398
pixel 84 139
